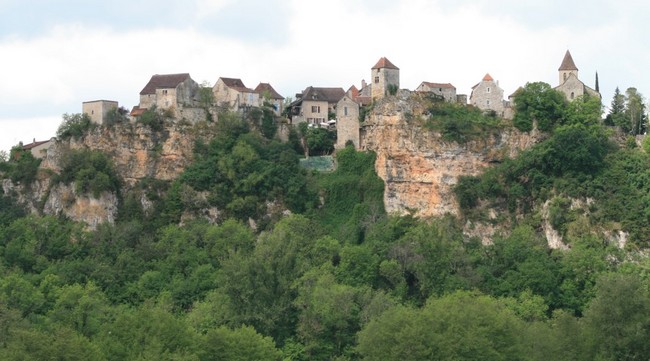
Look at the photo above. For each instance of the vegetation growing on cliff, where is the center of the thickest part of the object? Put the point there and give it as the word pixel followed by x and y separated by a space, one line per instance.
pixel 338 278
pixel 460 123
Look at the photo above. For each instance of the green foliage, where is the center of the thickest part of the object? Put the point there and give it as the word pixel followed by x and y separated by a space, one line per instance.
pixel 541 104
pixel 320 141
pixel 238 345
pixel 392 89
pixel 74 126
pixel 566 161
pixel 353 194
pixel 153 119
pixel 91 171
pixel 460 123
pixel 460 326
pixel 116 116
pixel 244 172
pixel 22 167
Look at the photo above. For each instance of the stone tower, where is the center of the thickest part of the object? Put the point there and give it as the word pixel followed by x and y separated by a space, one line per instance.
pixel 384 75
pixel 570 85
pixel 567 68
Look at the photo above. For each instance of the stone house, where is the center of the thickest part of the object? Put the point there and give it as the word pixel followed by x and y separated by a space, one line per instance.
pixel 488 96
pixel 168 91
pixel 384 75
pixel 347 121
pixel 233 94
pixel 266 93
pixel 98 109
pixel 570 85
pixel 39 149
pixel 444 90
pixel 314 105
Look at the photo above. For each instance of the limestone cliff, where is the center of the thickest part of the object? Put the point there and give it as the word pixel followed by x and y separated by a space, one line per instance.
pixel 137 152
pixel 418 166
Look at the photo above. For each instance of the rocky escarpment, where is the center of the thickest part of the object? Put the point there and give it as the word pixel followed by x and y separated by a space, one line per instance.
pixel 137 152
pixel 418 166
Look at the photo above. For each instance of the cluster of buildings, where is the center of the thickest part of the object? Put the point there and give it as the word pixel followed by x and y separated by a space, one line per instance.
pixel 317 106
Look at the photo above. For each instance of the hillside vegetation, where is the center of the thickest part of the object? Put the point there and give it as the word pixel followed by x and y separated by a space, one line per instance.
pixel 323 273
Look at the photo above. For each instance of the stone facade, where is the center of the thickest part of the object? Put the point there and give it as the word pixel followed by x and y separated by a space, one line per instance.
pixel 233 94
pixel 488 96
pixel 347 122
pixel 383 75
pixel 39 149
pixel 314 105
pixel 268 94
pixel 570 85
pixel 98 109
pixel 168 91
pixel 444 90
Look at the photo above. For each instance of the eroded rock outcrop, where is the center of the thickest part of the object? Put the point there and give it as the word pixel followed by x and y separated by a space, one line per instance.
pixel 418 166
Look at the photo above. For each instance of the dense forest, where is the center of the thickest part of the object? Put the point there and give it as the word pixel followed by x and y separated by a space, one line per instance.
pixel 335 277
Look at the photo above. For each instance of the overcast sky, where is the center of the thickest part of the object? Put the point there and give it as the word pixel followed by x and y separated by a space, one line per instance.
pixel 56 54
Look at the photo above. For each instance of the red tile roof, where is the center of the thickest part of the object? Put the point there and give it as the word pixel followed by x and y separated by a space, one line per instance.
pixel 384 63
pixel 267 88
pixel 137 111
pixel 488 77
pixel 567 62
pixel 353 92
pixel 164 81
pixel 34 144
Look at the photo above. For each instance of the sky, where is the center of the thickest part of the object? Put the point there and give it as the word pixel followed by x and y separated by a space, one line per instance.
pixel 56 54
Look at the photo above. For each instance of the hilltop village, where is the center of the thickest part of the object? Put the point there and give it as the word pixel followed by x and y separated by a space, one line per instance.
pixel 182 97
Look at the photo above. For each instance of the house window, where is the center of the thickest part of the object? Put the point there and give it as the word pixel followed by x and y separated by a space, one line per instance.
pixel 564 76
pixel 488 89
pixel 315 108
pixel 376 79
pixel 165 92
pixel 92 112
pixel 440 89
pixel 345 111
pixel 572 95
pixel 488 102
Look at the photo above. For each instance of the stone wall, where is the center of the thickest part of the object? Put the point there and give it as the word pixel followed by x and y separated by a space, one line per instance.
pixel 347 122
pixel 98 109
pixel 487 95
pixel 381 78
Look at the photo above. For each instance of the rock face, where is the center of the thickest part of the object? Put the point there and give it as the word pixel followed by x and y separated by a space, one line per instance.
pixel 136 150
pixel 418 166
pixel 137 153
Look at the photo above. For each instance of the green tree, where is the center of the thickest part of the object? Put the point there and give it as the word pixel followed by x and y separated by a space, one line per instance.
pixel 585 109
pixel 541 104
pixel 240 344
pixel 74 126
pixel 635 112
pixel 460 326
pixel 616 114
pixel 618 319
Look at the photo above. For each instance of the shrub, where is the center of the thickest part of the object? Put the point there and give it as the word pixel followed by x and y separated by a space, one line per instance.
pixel 74 126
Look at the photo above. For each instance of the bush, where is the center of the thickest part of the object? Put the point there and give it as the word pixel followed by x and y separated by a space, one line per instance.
pixel 91 172
pixel 152 119
pixel 74 126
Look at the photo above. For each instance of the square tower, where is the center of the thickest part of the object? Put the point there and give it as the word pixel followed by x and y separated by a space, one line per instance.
pixel 384 77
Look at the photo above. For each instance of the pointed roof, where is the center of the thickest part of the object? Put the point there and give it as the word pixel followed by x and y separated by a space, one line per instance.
pixel 567 62
pixel 353 92
pixel 384 63
pixel 488 77
pixel 35 144
pixel 163 81
pixel 267 88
